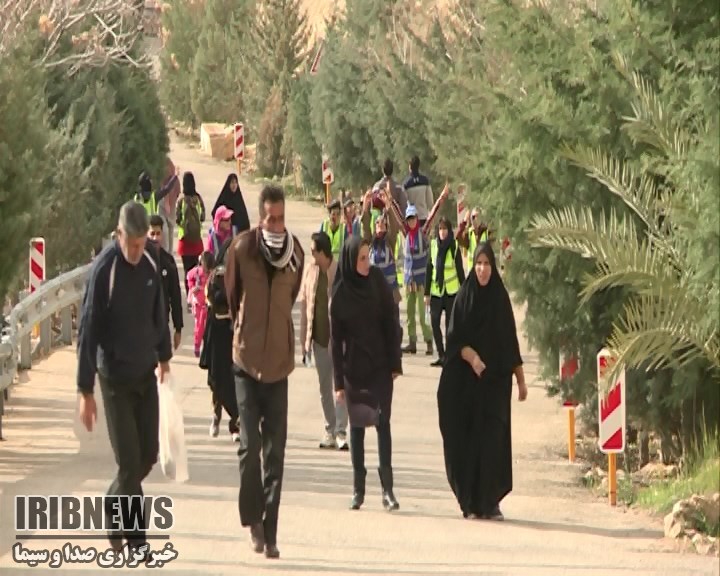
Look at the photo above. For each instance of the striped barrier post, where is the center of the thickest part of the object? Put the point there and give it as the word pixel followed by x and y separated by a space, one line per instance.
pixel 611 418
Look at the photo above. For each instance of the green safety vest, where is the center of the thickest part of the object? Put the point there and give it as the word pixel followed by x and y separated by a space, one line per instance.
pixel 452 285
pixel 150 205
pixel 472 235
pixel 337 238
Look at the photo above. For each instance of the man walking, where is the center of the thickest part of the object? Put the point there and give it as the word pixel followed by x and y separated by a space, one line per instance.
pixel 122 336
pixel 334 228
pixel 397 192
pixel 264 269
pixel 418 190
pixel 315 297
pixel 170 278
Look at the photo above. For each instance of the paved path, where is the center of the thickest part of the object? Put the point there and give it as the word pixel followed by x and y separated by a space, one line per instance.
pixel 553 527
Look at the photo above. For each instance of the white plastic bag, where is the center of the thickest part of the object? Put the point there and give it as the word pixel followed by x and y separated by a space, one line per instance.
pixel 173 455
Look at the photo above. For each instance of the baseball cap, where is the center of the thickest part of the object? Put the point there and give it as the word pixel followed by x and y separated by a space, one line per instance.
pixel 411 211
pixel 224 213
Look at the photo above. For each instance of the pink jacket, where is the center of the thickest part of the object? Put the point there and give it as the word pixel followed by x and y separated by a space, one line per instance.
pixel 197 279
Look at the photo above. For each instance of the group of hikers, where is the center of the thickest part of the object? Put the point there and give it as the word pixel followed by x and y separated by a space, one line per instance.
pixel 241 284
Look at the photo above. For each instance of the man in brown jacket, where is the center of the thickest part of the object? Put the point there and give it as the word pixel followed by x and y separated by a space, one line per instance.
pixel 264 269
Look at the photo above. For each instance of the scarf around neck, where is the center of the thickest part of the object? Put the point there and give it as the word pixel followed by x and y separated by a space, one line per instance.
pixel 279 249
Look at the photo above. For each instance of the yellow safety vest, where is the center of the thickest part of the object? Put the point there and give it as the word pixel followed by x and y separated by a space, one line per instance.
pixel 180 229
pixel 150 205
pixel 336 238
pixel 452 284
pixel 472 235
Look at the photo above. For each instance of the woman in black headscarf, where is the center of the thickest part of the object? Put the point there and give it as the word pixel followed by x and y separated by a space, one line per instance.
pixel 475 390
pixel 231 197
pixel 365 343
pixel 443 277
pixel 216 355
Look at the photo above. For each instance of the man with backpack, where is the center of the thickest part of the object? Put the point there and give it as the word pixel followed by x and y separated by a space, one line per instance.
pixel 123 337
pixel 189 216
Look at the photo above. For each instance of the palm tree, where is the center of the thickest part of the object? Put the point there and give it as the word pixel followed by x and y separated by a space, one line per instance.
pixel 662 245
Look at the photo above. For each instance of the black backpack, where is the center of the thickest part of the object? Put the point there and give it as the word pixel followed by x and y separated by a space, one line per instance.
pixel 216 294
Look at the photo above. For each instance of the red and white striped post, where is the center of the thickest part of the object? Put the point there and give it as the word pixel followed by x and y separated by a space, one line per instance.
pixel 37 263
pixel 239 133
pixel 611 418
pixel 36 269
pixel 568 369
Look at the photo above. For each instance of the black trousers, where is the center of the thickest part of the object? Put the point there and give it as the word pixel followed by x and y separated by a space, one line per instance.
pixel 131 410
pixel 357 446
pixel 189 262
pixel 438 305
pixel 262 417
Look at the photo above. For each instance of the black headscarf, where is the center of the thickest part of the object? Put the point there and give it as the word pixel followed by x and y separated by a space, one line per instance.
pixel 145 186
pixel 483 318
pixel 189 184
pixel 443 247
pixel 233 200
pixel 354 285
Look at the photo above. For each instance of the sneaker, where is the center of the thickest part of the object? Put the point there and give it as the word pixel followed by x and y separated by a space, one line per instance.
pixel 214 427
pixel 328 441
pixel 235 436
pixel 341 441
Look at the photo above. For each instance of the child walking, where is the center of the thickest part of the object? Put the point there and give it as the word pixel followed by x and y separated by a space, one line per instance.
pixel 197 280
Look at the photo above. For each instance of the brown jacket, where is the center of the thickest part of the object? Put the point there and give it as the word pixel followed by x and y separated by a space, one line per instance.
pixel 264 337
pixel 307 300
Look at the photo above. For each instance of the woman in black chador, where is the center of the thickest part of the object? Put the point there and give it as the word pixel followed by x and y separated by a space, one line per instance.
pixel 475 390
pixel 216 355
pixel 365 343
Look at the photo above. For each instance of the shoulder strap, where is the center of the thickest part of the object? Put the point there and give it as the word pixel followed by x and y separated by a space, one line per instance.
pixel 220 258
pixel 112 280
pixel 150 258
pixel 112 272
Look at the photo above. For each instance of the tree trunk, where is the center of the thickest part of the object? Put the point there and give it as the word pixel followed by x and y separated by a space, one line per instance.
pixel 644 449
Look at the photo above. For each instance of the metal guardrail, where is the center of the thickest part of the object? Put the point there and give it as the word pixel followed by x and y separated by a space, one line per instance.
pixel 55 298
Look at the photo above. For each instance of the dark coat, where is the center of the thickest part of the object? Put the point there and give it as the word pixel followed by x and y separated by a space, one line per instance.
pixel 365 343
